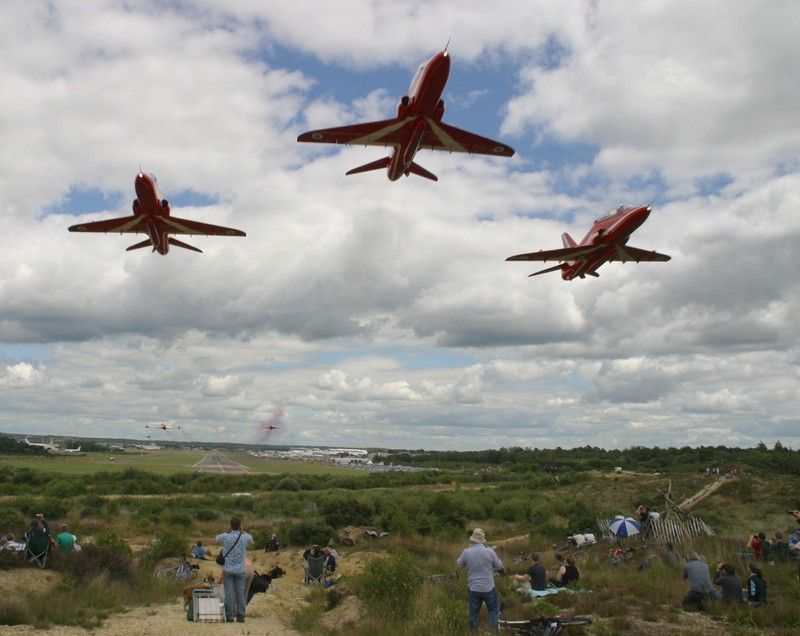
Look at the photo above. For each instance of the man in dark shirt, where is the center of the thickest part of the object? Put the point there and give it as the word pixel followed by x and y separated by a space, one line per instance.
pixel 730 584
pixel 536 575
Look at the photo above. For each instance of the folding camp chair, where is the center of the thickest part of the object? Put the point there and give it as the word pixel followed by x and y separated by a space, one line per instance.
pixel 37 549
pixel 207 607
pixel 315 570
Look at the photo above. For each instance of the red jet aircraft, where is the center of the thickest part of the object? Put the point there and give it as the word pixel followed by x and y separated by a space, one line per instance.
pixel 418 125
pixel 605 242
pixel 151 216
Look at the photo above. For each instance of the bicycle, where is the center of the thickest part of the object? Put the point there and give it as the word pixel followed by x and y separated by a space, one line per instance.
pixel 543 626
pixel 181 571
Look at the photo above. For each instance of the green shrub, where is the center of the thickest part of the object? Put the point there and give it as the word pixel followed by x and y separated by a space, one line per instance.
pixel 345 511
pixel 93 562
pixel 390 586
pixel 179 519
pixel 11 520
pixel 307 531
pixel 110 540
pixel 205 514
pixel 287 483
pixel 168 543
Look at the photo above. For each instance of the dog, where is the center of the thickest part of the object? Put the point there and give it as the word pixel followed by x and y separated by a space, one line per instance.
pixel 187 591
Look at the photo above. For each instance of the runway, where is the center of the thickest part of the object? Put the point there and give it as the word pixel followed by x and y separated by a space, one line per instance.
pixel 218 463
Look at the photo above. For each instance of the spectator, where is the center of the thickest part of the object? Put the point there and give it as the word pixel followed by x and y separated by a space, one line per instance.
pixel 756 586
pixel 643 513
pixel 43 523
pixel 766 548
pixel 198 551
pixel 234 548
pixel 730 584
pixel 567 574
pixel 536 575
pixel 700 588
pixel 312 551
pixel 754 544
pixel 273 545
pixel 10 544
pixel 481 563
pixel 331 558
pixel 670 556
pixel 65 539
pixel 779 547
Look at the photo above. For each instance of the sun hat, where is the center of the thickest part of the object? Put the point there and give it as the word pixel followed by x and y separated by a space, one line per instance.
pixel 478 536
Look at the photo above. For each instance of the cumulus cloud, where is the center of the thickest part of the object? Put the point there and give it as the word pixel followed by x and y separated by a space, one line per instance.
pixel 22 374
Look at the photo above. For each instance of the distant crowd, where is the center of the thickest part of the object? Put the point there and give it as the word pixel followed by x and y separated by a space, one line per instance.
pixel 37 542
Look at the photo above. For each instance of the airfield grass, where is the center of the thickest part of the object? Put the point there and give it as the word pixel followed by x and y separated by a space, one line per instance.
pixel 164 462
pixel 429 525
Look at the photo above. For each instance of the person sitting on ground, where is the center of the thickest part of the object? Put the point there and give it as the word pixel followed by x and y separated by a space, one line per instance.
pixel 536 576
pixel 273 545
pixel 794 544
pixel 730 584
pixel 198 551
pixel 10 544
pixel 696 574
pixel 331 558
pixel 766 548
pixel 615 555
pixel 65 539
pixel 567 574
pixel 670 556
pixel 756 586
pixel 779 547
pixel 754 544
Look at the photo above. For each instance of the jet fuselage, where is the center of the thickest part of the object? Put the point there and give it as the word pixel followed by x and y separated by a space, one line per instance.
pixel 424 100
pixel 612 229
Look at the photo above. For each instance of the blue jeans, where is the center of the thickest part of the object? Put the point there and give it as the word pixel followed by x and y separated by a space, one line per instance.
pixel 234 593
pixel 492 605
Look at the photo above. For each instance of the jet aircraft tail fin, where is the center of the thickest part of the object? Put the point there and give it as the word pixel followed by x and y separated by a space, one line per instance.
pixel 137 246
pixel 567 240
pixel 186 246
pixel 555 268
pixel 420 171
pixel 372 165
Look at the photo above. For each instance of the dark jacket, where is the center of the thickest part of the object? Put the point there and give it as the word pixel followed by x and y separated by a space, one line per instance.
pixel 757 590
pixel 731 587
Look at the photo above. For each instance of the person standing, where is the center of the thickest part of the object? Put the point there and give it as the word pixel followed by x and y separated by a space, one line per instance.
pixel 481 563
pixel 234 550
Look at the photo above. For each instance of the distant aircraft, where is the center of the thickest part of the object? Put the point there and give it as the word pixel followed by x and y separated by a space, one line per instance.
pixel 50 448
pixel 71 450
pixel 164 426
pixel 151 216
pixel 605 242
pixel 418 125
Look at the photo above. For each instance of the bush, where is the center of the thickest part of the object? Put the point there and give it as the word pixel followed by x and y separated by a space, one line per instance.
pixel 11 520
pixel 168 543
pixel 179 519
pixel 307 531
pixel 110 540
pixel 205 514
pixel 390 586
pixel 94 561
pixel 287 483
pixel 346 511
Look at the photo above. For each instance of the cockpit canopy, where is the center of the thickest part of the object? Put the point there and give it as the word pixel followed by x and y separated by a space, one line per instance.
pixel 416 79
pixel 609 213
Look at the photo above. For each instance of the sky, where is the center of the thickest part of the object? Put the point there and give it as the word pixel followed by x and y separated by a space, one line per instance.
pixel 362 312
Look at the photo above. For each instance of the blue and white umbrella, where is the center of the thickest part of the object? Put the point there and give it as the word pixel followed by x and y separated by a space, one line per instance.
pixel 622 527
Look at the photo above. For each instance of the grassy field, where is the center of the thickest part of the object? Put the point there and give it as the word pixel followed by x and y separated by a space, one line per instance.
pixel 164 462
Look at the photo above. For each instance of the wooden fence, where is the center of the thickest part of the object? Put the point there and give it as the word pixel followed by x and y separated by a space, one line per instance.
pixel 665 530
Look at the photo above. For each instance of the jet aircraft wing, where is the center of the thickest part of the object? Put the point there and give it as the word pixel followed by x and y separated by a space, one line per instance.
pixel 173 225
pixel 125 225
pixel 445 137
pixel 563 254
pixel 374 133
pixel 626 254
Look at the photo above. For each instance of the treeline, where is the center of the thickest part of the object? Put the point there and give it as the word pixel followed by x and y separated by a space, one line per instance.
pixel 10 446
pixel 778 459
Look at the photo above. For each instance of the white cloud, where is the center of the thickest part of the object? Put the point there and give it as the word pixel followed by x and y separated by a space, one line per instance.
pixel 22 374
